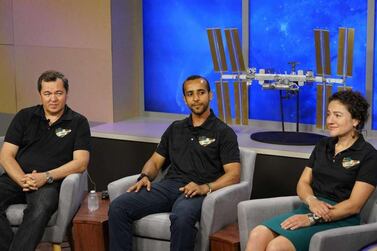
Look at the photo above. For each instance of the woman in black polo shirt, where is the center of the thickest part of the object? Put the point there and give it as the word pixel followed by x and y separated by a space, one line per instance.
pixel 340 177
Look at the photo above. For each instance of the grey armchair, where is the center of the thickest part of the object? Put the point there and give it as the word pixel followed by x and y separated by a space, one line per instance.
pixel 218 210
pixel 251 213
pixel 71 194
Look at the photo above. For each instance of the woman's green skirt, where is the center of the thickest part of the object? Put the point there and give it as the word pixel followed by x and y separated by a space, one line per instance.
pixel 301 237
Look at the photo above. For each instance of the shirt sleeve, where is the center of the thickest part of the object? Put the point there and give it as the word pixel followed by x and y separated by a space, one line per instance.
pixel 163 146
pixel 15 132
pixel 312 158
pixel 229 151
pixel 320 146
pixel 82 141
pixel 368 169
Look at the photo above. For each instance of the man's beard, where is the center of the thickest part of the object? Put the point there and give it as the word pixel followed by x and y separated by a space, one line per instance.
pixel 201 111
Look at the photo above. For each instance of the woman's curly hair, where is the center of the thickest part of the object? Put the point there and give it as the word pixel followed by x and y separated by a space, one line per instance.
pixel 356 104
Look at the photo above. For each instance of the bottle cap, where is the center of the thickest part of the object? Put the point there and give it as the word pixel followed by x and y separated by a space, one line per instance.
pixel 92 191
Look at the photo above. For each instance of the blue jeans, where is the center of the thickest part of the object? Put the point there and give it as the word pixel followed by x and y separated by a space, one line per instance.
pixel 41 204
pixel 163 197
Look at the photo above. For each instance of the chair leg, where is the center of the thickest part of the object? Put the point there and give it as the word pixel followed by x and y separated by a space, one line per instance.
pixel 56 247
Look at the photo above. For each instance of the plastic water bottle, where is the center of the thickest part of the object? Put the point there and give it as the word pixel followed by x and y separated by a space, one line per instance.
pixel 93 202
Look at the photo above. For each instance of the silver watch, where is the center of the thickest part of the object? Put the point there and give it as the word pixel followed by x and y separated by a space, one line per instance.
pixel 311 219
pixel 314 219
pixel 49 178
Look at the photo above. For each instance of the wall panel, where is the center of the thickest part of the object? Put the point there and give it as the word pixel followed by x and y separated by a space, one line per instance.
pixel 88 70
pixel 6 22
pixel 126 26
pixel 68 23
pixel 7 80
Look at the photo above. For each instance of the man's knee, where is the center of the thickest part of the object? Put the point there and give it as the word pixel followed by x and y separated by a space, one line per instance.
pixel 120 209
pixel 184 216
pixel 186 212
pixel 115 209
pixel 40 211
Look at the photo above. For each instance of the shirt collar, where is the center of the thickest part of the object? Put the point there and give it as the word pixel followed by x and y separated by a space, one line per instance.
pixel 67 115
pixel 206 125
pixel 358 145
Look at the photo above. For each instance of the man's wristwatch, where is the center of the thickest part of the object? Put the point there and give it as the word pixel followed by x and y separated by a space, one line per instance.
pixel 142 175
pixel 209 188
pixel 49 178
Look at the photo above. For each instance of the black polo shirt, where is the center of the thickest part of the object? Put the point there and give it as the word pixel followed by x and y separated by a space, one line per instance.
pixel 43 147
pixel 335 176
pixel 198 153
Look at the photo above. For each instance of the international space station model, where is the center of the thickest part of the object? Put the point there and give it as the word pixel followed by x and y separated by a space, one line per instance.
pixel 242 77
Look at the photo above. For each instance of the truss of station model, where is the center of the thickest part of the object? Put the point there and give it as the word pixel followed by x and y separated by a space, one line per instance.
pixel 242 77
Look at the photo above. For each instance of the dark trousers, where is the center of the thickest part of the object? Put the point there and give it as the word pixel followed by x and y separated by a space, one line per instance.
pixel 41 204
pixel 163 197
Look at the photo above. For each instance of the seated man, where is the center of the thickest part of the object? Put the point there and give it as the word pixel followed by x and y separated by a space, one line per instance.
pixel 203 155
pixel 43 144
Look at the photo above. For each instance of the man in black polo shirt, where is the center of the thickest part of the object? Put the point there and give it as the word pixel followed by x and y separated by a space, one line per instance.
pixel 43 144
pixel 203 156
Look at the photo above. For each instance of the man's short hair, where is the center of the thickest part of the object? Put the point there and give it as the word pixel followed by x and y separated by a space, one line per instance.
pixel 51 75
pixel 193 77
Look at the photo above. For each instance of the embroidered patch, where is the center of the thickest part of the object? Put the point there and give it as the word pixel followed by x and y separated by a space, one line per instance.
pixel 348 162
pixel 204 141
pixel 60 132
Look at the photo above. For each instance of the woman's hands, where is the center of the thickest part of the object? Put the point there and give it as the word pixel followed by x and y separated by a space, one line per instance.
pixel 320 208
pixel 296 221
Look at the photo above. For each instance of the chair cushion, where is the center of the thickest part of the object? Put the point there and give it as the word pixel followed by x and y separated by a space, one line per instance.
pixel 15 214
pixel 155 226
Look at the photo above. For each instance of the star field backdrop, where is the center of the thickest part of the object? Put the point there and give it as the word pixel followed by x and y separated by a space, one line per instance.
pixel 176 46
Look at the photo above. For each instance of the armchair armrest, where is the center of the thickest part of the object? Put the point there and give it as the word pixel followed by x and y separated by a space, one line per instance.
pixel 120 186
pixel 219 209
pixel 71 194
pixel 1 145
pixel 252 212
pixel 345 238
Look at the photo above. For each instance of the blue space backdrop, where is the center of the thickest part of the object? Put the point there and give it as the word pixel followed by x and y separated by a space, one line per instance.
pixel 282 31
pixel 176 46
